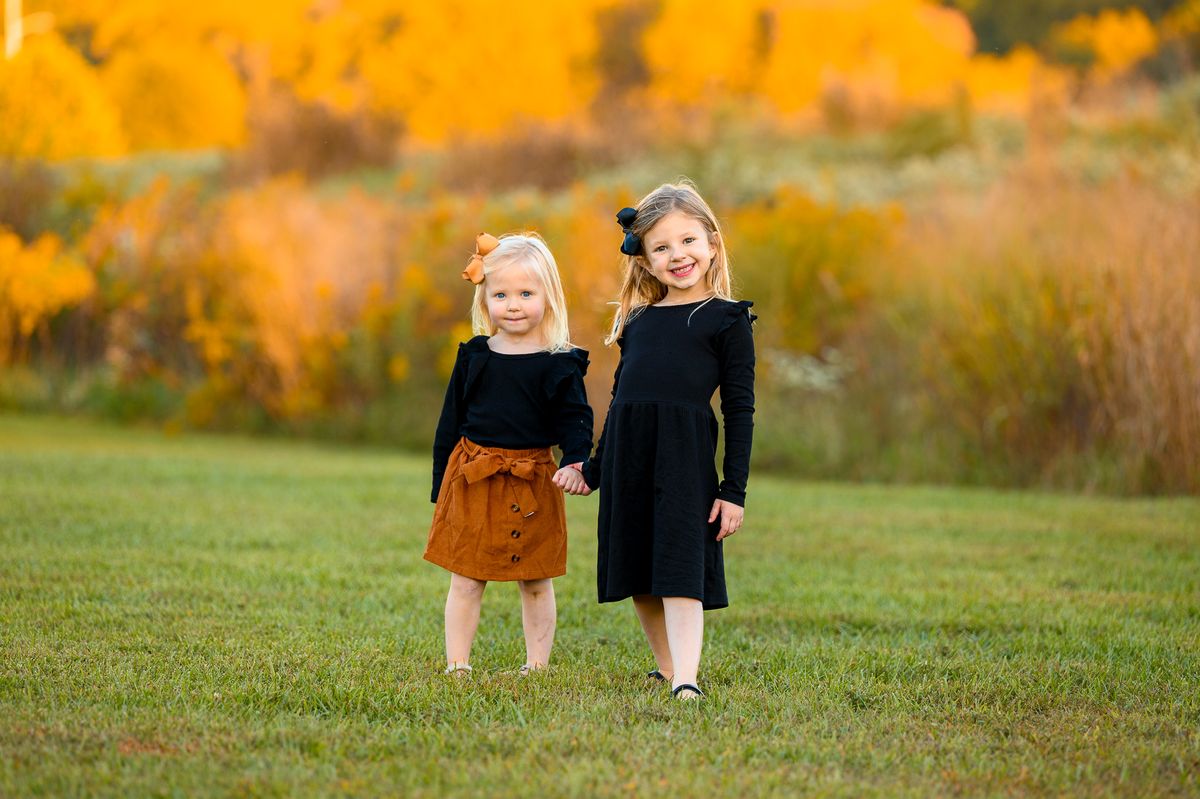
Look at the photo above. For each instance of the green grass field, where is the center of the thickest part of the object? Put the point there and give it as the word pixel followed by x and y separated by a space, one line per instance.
pixel 202 615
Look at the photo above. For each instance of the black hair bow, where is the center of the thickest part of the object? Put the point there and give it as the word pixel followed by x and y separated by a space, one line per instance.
pixel 632 245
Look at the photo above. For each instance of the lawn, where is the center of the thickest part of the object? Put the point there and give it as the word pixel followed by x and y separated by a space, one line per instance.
pixel 202 615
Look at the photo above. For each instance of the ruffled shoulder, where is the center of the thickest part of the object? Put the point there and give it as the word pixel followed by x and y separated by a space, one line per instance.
pixel 475 345
pixel 574 358
pixel 735 311
pixel 566 366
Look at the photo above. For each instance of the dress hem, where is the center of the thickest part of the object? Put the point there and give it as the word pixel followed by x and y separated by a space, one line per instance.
pixel 706 605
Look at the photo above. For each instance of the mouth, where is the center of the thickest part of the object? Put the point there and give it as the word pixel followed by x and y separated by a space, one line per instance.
pixel 683 271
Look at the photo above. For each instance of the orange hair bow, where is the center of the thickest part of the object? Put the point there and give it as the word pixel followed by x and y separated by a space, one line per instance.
pixel 484 244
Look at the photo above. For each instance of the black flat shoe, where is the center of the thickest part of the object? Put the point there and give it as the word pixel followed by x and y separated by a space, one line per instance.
pixel 657 676
pixel 687 686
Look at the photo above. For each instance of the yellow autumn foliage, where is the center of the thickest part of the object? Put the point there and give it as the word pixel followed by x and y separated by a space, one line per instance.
pixel 140 23
pixel 182 74
pixel 420 63
pixel 36 282
pixel 53 105
pixel 876 53
pixel 286 257
pixel 169 65
pixel 695 57
pixel 1182 20
pixel 322 67
pixel 795 51
pixel 1116 39
pixel 871 55
pixel 177 96
pixel 470 68
pixel 1007 84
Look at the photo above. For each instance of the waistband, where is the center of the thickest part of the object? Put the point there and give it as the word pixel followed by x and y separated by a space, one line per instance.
pixel 538 454
pixel 518 467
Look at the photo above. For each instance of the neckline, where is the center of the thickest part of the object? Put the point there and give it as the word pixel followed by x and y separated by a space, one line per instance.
pixel 488 346
pixel 518 354
pixel 683 304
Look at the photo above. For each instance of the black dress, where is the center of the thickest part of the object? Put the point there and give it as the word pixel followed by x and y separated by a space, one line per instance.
pixel 655 463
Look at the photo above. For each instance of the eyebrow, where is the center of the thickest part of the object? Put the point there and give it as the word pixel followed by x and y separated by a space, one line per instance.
pixel 689 232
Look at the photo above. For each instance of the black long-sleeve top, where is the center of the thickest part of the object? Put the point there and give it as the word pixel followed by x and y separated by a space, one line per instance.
pixel 523 401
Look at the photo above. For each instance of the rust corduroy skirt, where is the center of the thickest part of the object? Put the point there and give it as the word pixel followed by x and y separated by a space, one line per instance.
pixel 499 516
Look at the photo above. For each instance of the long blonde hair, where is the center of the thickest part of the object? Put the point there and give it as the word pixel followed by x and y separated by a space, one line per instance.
pixel 639 287
pixel 530 251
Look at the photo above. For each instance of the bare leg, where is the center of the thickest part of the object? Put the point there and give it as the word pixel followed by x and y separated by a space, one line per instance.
pixel 685 633
pixel 462 618
pixel 650 614
pixel 538 617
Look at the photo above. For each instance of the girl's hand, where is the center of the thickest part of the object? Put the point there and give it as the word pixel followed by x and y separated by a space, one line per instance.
pixel 731 517
pixel 570 479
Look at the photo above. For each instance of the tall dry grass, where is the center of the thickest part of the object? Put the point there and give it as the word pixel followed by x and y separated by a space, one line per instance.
pixel 1061 320
pixel 1145 371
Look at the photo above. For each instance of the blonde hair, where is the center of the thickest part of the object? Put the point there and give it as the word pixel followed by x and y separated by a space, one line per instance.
pixel 639 287
pixel 530 251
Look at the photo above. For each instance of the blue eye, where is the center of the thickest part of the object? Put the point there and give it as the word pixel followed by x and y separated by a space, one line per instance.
pixel 526 294
pixel 689 239
pixel 499 295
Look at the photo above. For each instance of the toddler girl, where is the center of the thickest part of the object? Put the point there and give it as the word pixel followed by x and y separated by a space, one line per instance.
pixel 516 390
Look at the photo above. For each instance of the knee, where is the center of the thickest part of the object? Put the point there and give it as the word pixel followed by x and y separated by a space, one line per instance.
pixel 534 589
pixel 466 587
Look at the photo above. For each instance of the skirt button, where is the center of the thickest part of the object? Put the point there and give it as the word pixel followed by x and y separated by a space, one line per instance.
pixel 516 533
pixel 516 558
pixel 516 508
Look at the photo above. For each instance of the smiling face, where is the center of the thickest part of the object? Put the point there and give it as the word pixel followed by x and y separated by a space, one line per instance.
pixel 516 302
pixel 679 253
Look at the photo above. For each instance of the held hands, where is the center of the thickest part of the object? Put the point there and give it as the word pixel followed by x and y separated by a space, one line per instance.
pixel 570 479
pixel 731 517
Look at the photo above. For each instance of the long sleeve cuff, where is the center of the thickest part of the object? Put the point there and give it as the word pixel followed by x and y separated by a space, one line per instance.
pixel 591 474
pixel 569 458
pixel 732 495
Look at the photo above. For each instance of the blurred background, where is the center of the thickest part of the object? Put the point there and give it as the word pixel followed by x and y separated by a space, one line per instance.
pixel 971 229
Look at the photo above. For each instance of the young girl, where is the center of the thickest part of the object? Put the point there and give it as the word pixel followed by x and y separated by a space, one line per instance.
pixel 516 389
pixel 663 513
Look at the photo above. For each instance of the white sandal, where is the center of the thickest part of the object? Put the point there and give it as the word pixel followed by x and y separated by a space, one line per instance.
pixel 457 668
